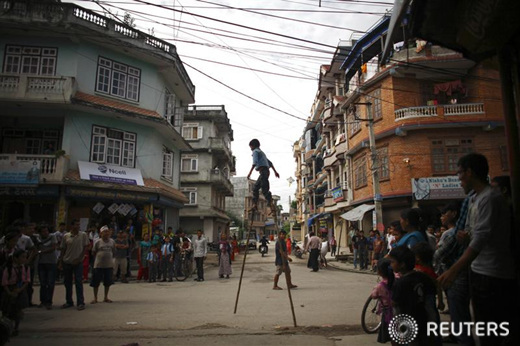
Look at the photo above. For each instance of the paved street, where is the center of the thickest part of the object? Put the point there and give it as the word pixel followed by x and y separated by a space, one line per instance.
pixel 327 305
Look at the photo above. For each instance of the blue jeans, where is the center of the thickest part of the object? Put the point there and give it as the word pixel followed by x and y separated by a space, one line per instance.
pixel 458 302
pixel 47 275
pixel 356 254
pixel 70 270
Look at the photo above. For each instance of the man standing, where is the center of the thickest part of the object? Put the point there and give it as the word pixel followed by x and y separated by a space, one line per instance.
pixel 314 248
pixel 103 250
pixel 73 248
pixel 362 245
pixel 200 249
pixel 26 242
pixel 355 244
pixel 282 262
pixel 488 255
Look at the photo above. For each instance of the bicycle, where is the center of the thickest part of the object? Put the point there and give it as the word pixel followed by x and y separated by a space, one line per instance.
pixel 371 316
pixel 186 268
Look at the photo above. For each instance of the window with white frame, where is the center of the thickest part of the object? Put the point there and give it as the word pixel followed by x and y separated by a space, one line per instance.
pixel 30 60
pixel 113 146
pixel 167 168
pixel 191 131
pixel 117 79
pixel 191 194
pixel 173 110
pixel 189 163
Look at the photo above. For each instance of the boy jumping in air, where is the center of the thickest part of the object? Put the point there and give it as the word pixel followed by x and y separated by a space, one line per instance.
pixel 262 165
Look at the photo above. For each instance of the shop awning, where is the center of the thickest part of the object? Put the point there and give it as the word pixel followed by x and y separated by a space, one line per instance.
pixel 310 221
pixel 357 213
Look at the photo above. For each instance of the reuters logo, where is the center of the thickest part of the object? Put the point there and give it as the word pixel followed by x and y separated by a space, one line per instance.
pixel 403 329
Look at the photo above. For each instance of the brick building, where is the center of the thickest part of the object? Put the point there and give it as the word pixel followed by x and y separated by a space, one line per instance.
pixel 429 106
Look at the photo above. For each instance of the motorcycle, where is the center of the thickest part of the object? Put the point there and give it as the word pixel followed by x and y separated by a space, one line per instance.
pixel 298 252
pixel 263 249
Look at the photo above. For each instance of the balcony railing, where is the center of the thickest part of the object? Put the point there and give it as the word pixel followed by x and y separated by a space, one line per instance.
pixel 220 144
pixel 434 111
pixel 71 14
pixel 415 112
pixel 52 168
pixel 464 108
pixel 37 88
pixel 218 177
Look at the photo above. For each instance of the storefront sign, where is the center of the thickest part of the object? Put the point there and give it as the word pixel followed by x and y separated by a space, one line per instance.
pixel 40 191
pixel 110 173
pixel 110 195
pixel 337 194
pixel 19 172
pixel 437 188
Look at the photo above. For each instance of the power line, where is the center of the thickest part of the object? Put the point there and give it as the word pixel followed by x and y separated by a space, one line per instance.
pixel 286 18
pixel 239 25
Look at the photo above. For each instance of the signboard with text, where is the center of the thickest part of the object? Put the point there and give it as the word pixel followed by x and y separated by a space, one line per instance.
pixel 110 173
pixel 437 188
pixel 337 194
pixel 19 172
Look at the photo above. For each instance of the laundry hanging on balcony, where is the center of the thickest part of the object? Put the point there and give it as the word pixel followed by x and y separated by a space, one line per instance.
pixel 449 88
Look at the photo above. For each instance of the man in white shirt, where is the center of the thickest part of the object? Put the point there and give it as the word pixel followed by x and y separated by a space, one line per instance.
pixel 314 247
pixel 200 250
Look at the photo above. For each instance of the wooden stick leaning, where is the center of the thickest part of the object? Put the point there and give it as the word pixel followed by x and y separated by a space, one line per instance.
pixel 244 260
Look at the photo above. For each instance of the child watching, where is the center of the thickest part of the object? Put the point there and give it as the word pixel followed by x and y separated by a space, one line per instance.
pixel 15 279
pixel 412 292
pixel 152 258
pixel 167 260
pixel 424 263
pixel 262 165
pixel 383 292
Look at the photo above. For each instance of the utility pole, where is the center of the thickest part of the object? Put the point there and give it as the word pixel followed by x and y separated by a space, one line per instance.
pixel 375 169
pixel 375 166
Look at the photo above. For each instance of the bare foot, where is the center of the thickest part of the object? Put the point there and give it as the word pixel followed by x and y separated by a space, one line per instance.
pixel 293 286
pixel 277 288
pixel 106 300
pixel 94 301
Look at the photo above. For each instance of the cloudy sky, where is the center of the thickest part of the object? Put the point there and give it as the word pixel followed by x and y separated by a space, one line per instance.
pixel 258 58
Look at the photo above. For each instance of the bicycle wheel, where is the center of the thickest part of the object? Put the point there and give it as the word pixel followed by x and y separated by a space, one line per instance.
pixel 370 318
pixel 181 274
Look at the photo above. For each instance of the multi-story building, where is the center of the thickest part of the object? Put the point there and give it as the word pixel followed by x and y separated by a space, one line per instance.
pixel 206 170
pixel 96 108
pixel 428 106
pixel 261 221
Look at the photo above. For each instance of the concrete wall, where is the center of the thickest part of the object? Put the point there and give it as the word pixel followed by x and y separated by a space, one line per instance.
pixel 77 141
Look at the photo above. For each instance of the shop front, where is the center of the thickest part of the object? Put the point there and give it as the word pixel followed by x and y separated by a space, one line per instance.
pixel 35 203
pixel 432 193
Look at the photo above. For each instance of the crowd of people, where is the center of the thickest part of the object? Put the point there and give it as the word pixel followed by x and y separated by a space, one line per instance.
pixel 473 259
pixel 98 256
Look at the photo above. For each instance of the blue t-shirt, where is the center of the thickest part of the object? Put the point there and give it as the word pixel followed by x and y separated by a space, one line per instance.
pixel 260 159
pixel 410 239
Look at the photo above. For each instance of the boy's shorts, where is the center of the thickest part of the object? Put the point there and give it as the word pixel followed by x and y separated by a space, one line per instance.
pixel 279 269
pixel 102 274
